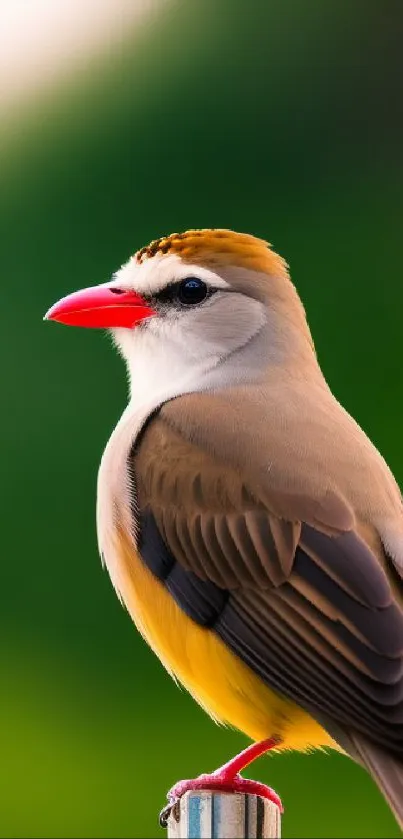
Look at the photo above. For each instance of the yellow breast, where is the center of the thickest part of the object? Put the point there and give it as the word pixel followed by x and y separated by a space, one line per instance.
pixel 227 688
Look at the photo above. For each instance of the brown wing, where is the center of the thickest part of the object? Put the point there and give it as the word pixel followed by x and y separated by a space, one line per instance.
pixel 313 614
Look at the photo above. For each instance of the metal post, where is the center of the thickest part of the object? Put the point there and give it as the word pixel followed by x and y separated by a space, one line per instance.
pixel 212 815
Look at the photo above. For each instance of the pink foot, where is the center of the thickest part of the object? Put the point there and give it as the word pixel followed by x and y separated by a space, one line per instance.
pixel 227 779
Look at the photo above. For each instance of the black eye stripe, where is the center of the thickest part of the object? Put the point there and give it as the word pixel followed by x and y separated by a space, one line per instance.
pixel 192 291
pixel 187 292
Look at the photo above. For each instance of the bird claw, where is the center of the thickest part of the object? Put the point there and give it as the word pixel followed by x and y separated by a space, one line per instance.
pixel 215 782
pixel 166 812
pixel 225 779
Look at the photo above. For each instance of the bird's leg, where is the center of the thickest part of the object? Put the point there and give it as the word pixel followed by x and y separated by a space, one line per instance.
pixel 226 779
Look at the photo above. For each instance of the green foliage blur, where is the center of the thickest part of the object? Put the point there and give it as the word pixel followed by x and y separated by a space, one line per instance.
pixel 279 118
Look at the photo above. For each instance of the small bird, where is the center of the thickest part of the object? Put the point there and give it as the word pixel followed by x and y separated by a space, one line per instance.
pixel 248 524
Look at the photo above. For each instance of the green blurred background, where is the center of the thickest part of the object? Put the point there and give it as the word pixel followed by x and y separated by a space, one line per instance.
pixel 279 118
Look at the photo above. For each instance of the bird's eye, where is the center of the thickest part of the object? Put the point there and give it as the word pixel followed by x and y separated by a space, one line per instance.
pixel 192 291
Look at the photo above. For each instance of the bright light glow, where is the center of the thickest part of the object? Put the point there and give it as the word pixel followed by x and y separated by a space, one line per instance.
pixel 40 40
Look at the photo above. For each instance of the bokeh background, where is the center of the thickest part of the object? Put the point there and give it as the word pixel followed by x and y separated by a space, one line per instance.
pixel 121 121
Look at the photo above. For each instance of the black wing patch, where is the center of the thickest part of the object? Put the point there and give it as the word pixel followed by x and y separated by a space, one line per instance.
pixel 201 600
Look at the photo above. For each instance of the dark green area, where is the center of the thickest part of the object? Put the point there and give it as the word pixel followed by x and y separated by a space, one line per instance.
pixel 278 118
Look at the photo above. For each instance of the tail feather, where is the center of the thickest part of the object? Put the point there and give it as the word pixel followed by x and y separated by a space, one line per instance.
pixel 385 769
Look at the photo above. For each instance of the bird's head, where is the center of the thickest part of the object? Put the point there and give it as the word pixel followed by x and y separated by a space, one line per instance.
pixel 193 303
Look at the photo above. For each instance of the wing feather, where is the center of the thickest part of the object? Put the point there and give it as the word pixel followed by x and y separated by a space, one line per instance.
pixel 301 598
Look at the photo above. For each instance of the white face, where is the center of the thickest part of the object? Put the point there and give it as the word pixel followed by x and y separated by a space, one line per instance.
pixel 200 325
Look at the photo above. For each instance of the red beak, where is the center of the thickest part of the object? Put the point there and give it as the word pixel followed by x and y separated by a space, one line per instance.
pixel 102 307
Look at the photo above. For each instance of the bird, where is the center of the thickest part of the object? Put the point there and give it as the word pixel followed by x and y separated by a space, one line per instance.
pixel 249 526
